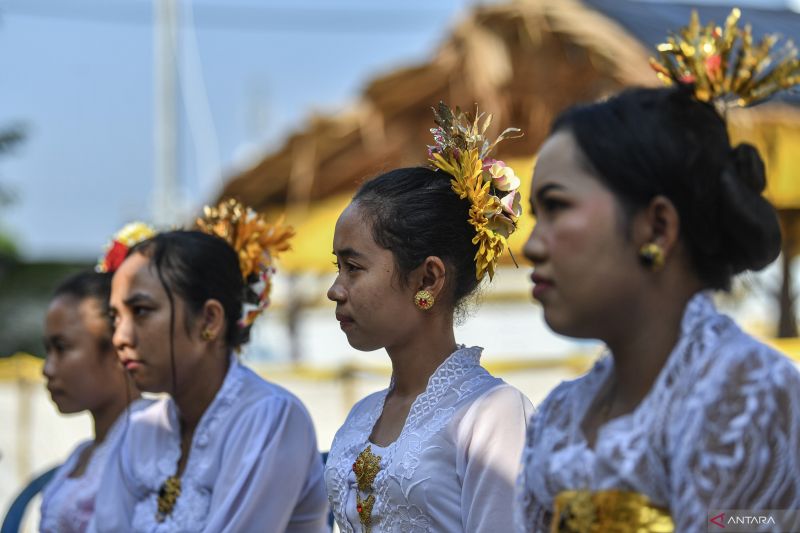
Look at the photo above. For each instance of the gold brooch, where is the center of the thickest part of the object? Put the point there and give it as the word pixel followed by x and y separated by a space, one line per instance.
pixel 366 467
pixel 167 496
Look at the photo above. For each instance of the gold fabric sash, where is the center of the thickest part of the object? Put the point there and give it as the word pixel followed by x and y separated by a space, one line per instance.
pixel 608 511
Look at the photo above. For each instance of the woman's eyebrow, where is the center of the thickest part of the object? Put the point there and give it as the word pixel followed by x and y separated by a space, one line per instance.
pixel 138 298
pixel 346 253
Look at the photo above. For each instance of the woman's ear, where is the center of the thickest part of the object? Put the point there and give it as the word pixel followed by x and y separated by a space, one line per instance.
pixel 212 320
pixel 431 276
pixel 659 223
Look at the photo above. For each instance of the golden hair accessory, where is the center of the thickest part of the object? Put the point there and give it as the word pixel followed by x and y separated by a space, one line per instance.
pixel 366 468
pixel 117 250
pixel 724 65
pixel 461 149
pixel 167 496
pixel 424 300
pixel 652 256
pixel 581 511
pixel 257 243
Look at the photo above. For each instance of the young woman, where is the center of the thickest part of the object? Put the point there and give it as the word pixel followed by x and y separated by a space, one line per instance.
pixel 226 451
pixel 83 374
pixel 642 209
pixel 434 451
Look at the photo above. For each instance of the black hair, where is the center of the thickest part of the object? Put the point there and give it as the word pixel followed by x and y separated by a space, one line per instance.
pixel 648 142
pixel 198 267
pixel 414 213
pixel 89 284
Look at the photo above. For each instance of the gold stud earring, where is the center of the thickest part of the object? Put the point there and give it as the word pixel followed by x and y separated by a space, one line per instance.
pixel 207 335
pixel 652 256
pixel 424 300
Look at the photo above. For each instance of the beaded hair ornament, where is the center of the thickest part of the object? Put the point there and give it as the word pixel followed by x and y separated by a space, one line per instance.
pixel 117 250
pixel 461 149
pixel 724 65
pixel 257 243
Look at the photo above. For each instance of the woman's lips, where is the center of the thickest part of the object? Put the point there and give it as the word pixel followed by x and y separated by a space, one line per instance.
pixel 131 364
pixel 344 320
pixel 540 285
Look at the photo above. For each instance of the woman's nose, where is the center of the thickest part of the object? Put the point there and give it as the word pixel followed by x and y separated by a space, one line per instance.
pixel 49 368
pixel 535 250
pixel 123 335
pixel 336 292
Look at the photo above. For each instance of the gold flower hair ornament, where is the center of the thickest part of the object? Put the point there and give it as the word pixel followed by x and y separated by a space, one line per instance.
pixel 461 149
pixel 724 65
pixel 117 250
pixel 257 243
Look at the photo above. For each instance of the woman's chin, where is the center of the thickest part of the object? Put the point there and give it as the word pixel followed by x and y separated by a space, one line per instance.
pixel 558 323
pixel 568 326
pixel 362 345
pixel 67 409
pixel 147 385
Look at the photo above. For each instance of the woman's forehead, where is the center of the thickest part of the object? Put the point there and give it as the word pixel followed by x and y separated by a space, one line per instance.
pixel 136 273
pixel 352 231
pixel 562 163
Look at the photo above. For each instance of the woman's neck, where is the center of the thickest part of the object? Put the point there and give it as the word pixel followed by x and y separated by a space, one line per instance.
pixel 415 361
pixel 105 416
pixel 642 348
pixel 197 391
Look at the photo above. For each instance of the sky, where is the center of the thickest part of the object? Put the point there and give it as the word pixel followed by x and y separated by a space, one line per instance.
pixel 78 76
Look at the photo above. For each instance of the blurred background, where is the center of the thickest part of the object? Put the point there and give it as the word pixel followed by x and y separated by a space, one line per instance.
pixel 121 110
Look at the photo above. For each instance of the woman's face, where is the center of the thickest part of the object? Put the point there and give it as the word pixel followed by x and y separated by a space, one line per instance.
pixel 375 310
pixel 81 368
pixel 586 267
pixel 140 310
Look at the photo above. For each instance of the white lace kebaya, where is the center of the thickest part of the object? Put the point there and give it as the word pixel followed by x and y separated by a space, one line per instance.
pixel 253 465
pixel 68 502
pixel 720 429
pixel 452 468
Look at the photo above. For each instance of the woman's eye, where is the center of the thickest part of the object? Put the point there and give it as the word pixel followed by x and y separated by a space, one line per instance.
pixel 58 347
pixel 553 204
pixel 347 267
pixel 140 311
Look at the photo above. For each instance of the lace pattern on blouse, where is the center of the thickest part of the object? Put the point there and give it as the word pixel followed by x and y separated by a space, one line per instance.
pixel 718 430
pixel 397 508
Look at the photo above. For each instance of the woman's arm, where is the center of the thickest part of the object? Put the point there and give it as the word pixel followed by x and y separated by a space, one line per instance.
pixel 491 437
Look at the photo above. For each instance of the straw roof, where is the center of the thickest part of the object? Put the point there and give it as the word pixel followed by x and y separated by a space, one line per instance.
pixel 524 61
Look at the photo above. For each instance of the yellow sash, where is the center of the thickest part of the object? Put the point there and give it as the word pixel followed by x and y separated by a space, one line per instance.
pixel 608 511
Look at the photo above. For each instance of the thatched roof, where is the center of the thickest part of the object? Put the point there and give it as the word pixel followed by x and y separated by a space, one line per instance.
pixel 525 61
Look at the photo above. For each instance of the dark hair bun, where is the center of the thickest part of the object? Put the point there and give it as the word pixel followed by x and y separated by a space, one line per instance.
pixel 752 235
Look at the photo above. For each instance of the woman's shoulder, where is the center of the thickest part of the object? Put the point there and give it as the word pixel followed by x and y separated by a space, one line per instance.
pixel 573 390
pixel 500 407
pixel 66 467
pixel 556 411
pixel 500 396
pixel 361 414
pixel 146 412
pixel 737 359
pixel 368 402
pixel 257 393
